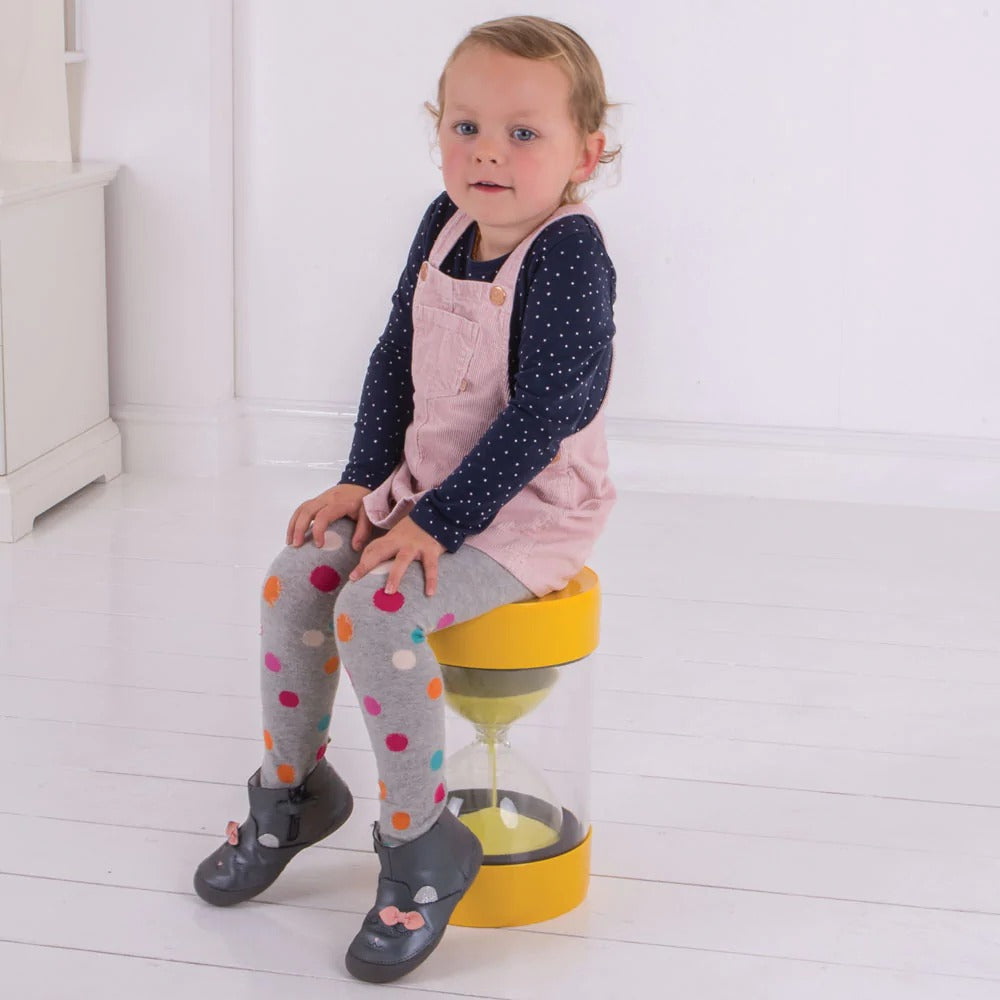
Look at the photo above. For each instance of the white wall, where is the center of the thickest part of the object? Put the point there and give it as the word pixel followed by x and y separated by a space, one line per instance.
pixel 807 226
pixel 156 97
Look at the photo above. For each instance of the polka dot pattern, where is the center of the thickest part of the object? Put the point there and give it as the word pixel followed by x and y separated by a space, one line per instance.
pixel 268 740
pixel 388 602
pixel 400 820
pixel 325 578
pixel 437 759
pixel 439 793
pixel 272 663
pixel 559 366
pixel 323 723
pixel 434 689
pixel 345 628
pixel 396 742
pixel 313 638
pixel 445 620
pixel 372 705
pixel 286 773
pixel 331 665
pixel 289 699
pixel 404 659
pixel 272 590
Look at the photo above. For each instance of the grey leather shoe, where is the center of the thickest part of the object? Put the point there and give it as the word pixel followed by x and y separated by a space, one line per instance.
pixel 420 884
pixel 282 822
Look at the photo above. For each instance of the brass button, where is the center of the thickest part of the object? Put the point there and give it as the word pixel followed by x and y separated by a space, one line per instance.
pixel 423 271
pixel 463 386
pixel 497 295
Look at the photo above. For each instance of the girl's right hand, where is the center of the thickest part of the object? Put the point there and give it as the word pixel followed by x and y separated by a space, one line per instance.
pixel 336 502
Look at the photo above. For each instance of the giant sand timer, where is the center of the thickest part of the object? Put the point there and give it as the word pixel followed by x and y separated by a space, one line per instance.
pixel 518 680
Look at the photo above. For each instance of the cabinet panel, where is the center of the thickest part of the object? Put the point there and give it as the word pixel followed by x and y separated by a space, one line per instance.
pixel 54 318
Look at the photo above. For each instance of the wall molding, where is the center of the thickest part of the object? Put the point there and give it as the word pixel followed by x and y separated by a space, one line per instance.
pixel 800 463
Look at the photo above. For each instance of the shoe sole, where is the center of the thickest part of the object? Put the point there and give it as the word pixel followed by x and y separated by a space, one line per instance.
pixel 224 897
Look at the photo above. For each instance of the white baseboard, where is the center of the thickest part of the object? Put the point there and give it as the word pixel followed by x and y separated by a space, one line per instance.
pixel 661 456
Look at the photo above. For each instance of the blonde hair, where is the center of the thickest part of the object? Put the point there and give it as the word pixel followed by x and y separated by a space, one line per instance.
pixel 538 38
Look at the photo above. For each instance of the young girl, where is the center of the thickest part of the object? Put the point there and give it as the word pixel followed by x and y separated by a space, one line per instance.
pixel 477 477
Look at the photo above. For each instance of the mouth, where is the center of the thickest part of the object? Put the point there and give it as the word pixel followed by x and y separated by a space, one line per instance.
pixel 488 186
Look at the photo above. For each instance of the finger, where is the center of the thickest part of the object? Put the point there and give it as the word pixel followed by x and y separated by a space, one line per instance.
pixel 430 562
pixel 290 530
pixel 369 558
pixel 403 559
pixel 363 532
pixel 322 519
pixel 302 523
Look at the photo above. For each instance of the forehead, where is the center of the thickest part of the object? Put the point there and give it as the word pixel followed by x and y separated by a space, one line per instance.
pixel 485 80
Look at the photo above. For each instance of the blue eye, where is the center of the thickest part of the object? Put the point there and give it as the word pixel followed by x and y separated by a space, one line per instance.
pixel 465 128
pixel 524 134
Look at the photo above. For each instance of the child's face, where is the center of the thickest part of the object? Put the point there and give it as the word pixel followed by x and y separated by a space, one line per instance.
pixel 507 120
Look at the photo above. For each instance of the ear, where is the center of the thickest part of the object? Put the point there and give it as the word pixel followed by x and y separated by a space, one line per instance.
pixel 590 156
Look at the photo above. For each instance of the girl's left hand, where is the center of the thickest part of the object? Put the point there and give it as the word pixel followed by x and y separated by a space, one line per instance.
pixel 405 541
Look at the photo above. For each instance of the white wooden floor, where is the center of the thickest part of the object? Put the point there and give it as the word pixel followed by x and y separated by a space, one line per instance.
pixel 796 790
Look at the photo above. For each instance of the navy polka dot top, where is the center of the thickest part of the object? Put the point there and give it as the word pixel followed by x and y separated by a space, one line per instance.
pixel 562 327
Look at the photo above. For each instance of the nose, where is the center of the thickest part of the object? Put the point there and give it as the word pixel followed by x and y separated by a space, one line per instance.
pixel 486 151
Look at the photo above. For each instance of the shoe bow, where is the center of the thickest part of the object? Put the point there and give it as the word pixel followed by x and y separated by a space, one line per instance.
pixel 410 919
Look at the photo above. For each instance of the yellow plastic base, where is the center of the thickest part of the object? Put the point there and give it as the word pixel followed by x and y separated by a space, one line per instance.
pixel 512 895
pixel 560 627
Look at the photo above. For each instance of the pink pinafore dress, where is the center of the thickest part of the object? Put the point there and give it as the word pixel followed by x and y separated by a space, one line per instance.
pixel 461 329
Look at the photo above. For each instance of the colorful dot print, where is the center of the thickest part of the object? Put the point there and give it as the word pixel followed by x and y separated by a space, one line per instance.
pixel 330 667
pixel 323 723
pixel 325 578
pixel 437 759
pixel 332 541
pixel 313 638
pixel 417 635
pixel 345 628
pixel 321 752
pixel 396 742
pixel 445 620
pixel 272 662
pixel 372 706
pixel 400 820
pixel 268 740
pixel 289 699
pixel 404 659
pixel 435 688
pixel 388 602
pixel 286 773
pixel 272 590
pixel 382 790
pixel 439 793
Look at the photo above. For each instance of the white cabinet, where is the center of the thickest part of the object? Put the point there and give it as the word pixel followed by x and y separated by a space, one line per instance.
pixel 56 434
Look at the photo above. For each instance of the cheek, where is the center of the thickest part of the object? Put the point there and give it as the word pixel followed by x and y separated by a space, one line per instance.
pixel 452 157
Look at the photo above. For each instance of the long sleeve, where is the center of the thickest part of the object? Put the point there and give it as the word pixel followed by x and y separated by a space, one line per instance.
pixel 563 371
pixel 386 406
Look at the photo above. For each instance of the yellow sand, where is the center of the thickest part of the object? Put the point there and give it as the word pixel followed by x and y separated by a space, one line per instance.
pixel 498 838
pixel 495 711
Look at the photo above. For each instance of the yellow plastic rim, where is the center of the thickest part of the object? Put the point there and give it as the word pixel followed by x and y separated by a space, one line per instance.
pixel 539 632
pixel 512 895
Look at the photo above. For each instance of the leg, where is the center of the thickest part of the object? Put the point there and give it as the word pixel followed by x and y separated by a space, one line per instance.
pixel 296 798
pixel 428 857
pixel 398 679
pixel 300 666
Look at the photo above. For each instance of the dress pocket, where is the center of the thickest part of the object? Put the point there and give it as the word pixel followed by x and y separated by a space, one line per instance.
pixel 443 346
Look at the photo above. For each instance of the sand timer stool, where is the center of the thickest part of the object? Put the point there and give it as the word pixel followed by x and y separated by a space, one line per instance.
pixel 520 675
